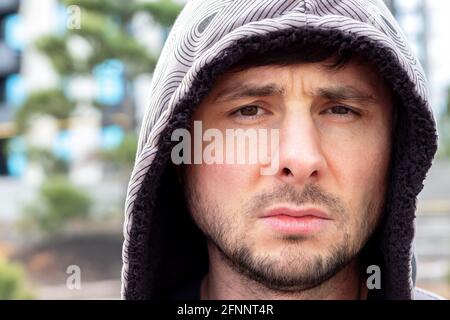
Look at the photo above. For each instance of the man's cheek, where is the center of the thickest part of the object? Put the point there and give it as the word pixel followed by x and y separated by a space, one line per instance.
pixel 229 183
pixel 362 179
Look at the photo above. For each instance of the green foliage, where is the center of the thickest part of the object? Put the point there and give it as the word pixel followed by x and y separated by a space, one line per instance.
pixel 105 28
pixel 444 137
pixel 49 162
pixel 124 154
pixel 58 203
pixel 164 11
pixel 113 8
pixel 444 131
pixel 447 109
pixel 51 102
pixel 56 49
pixel 105 25
pixel 12 281
pixel 108 40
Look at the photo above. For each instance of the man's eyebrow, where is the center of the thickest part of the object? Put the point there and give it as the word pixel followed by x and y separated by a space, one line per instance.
pixel 248 90
pixel 336 93
pixel 345 93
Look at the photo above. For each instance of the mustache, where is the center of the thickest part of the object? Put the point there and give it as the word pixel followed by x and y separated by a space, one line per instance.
pixel 311 194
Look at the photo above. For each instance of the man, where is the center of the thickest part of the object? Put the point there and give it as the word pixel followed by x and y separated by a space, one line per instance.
pixel 322 205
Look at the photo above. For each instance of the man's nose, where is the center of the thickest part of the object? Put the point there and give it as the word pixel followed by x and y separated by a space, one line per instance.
pixel 300 154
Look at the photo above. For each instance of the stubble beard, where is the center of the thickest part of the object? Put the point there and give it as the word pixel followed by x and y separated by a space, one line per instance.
pixel 294 269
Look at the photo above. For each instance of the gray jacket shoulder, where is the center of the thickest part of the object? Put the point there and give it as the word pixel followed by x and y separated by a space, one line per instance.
pixel 421 294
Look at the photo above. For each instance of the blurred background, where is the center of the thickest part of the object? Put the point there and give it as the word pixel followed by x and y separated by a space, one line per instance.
pixel 74 79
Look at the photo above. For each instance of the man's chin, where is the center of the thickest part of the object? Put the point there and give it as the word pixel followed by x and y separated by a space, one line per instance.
pixel 285 272
pixel 289 264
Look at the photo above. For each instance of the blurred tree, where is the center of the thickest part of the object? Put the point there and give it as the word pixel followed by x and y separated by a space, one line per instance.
pixel 106 29
pixel 51 164
pixel 121 159
pixel 165 12
pixel 51 102
pixel 58 204
pixel 444 130
pixel 105 34
pixel 106 26
pixel 12 281
pixel 124 154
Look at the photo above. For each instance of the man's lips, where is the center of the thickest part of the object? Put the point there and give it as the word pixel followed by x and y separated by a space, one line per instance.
pixel 295 221
pixel 296 213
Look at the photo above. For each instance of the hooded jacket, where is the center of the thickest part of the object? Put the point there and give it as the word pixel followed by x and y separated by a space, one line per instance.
pixel 163 250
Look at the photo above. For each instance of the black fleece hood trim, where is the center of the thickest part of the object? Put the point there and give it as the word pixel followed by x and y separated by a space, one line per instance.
pixel 165 249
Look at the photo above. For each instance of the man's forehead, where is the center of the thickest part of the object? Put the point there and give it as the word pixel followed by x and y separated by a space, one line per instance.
pixel 353 70
pixel 354 79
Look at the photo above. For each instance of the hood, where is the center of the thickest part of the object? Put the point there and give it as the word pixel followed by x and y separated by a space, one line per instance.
pixel 162 247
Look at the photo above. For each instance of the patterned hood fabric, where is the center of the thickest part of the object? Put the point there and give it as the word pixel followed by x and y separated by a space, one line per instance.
pixel 162 248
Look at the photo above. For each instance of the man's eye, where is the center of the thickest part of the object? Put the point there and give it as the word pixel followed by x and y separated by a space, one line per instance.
pixel 250 111
pixel 341 111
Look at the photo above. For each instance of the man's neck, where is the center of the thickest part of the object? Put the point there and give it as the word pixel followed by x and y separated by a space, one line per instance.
pixel 224 283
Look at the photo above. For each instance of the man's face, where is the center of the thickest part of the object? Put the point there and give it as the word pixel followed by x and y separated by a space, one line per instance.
pixel 299 226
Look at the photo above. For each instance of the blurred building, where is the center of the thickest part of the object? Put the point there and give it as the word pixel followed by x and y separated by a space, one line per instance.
pixel 427 27
pixel 412 15
pixel 9 77
pixel 90 130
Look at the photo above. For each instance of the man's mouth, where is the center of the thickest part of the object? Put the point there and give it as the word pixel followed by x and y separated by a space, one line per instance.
pixel 295 220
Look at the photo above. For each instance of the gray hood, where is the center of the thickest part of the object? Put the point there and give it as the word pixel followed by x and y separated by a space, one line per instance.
pixel 163 249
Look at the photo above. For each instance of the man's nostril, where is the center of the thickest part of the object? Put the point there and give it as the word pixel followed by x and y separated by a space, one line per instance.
pixel 287 172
